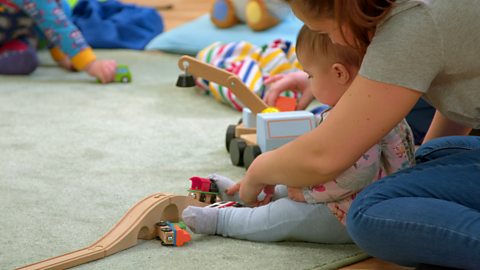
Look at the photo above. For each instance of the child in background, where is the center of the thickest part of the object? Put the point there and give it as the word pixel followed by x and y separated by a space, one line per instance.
pixel 18 41
pixel 311 214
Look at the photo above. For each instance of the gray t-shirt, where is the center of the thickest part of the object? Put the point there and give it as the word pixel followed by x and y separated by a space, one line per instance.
pixel 432 47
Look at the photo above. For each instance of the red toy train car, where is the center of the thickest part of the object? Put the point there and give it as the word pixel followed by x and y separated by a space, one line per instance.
pixel 203 189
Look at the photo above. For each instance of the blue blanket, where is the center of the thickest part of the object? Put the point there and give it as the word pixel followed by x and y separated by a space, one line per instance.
pixel 112 24
pixel 193 36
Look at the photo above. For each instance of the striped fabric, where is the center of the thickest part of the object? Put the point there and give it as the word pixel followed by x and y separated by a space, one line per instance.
pixel 252 64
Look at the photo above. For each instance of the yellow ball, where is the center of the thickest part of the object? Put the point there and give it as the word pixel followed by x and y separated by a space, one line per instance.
pixel 270 110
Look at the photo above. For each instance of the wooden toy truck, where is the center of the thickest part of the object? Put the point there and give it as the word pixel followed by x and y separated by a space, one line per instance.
pixel 259 130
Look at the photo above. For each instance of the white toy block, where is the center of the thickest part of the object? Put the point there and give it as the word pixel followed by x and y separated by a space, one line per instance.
pixel 277 129
pixel 249 119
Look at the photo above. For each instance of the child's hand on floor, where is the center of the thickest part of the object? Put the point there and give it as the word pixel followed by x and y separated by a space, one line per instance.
pixel 296 194
pixel 104 70
pixel 296 81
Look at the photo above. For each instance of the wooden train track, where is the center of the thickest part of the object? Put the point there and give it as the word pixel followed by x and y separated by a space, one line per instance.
pixel 138 223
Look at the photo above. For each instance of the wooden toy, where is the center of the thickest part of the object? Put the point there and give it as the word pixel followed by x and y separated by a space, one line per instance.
pixel 272 131
pixel 259 15
pixel 140 222
pixel 204 190
pixel 241 139
pixel 192 66
pixel 286 104
pixel 172 234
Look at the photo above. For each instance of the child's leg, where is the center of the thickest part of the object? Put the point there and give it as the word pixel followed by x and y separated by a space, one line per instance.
pixel 280 220
pixel 17 58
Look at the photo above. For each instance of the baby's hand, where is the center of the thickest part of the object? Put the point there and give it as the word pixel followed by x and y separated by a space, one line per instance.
pixel 296 194
pixel 103 70
pixel 233 189
pixel 268 190
pixel 296 81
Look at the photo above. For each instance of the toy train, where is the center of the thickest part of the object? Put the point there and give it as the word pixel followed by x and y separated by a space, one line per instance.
pixel 172 234
pixel 224 204
pixel 203 189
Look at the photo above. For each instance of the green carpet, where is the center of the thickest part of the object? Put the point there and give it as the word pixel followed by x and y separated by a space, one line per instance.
pixel 76 155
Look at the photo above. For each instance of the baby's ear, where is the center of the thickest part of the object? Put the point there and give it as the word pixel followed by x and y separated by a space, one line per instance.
pixel 341 73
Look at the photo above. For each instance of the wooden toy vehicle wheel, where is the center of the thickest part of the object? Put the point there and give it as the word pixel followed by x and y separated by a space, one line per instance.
pixel 237 146
pixel 229 136
pixel 161 223
pixel 166 229
pixel 250 153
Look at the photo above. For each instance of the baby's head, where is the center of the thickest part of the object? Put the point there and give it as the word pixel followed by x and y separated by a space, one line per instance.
pixel 331 68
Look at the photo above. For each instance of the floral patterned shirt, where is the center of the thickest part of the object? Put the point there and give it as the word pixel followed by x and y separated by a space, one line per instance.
pixel 393 153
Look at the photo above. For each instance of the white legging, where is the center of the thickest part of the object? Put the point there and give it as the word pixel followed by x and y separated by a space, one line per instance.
pixel 282 220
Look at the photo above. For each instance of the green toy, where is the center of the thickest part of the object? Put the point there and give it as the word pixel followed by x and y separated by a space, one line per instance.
pixel 122 74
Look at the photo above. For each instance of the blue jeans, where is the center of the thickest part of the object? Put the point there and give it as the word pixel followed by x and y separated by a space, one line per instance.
pixel 427 214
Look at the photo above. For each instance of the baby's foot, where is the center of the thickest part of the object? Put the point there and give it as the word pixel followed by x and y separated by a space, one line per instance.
pixel 202 220
pixel 223 183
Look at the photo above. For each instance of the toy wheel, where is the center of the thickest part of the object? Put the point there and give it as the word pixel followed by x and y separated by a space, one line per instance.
pixel 237 146
pixel 250 154
pixel 166 229
pixel 161 223
pixel 125 80
pixel 165 244
pixel 213 199
pixel 229 136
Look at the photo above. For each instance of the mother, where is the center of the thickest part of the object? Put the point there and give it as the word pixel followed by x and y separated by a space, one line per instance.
pixel 426 215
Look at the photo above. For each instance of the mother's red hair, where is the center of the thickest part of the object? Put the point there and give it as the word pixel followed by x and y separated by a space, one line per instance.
pixel 360 16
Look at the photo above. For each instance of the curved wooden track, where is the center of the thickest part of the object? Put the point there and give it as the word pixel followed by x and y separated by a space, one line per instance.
pixel 137 223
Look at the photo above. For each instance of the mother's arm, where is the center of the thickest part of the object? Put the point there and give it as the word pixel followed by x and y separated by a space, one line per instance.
pixel 442 126
pixel 366 112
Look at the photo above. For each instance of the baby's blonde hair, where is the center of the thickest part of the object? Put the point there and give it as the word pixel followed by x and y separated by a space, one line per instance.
pixel 318 44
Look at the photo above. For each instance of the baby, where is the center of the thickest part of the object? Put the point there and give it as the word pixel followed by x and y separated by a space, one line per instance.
pixel 311 214
pixel 19 22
